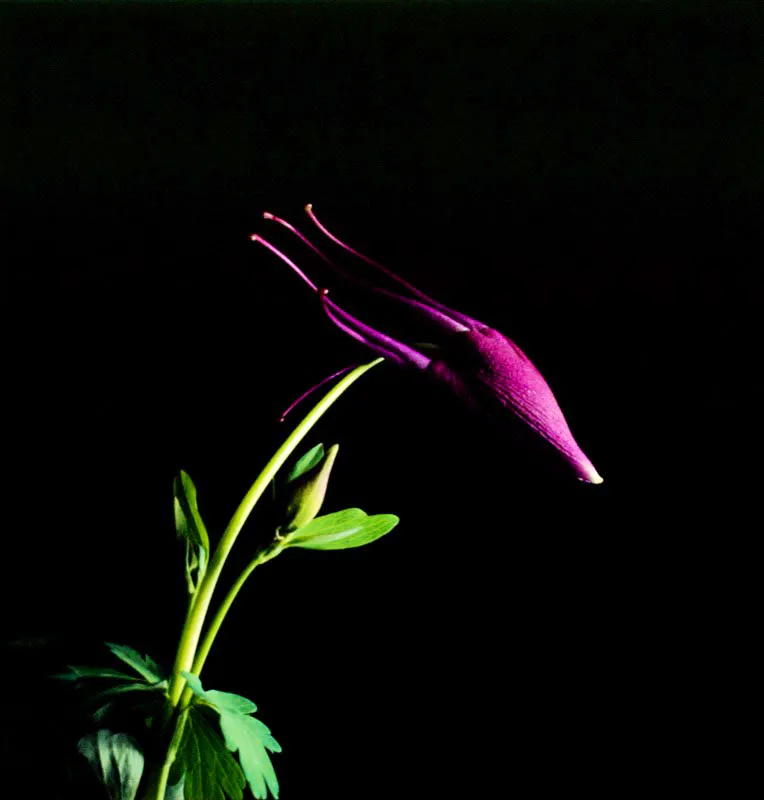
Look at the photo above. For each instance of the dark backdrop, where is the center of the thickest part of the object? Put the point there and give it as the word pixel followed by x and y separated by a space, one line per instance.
pixel 586 178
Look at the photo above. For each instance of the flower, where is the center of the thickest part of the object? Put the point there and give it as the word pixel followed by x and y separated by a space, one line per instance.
pixel 478 364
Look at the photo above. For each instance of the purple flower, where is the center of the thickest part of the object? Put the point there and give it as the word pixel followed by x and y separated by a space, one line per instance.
pixel 478 364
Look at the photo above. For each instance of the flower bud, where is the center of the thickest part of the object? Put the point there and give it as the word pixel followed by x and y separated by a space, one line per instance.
pixel 307 493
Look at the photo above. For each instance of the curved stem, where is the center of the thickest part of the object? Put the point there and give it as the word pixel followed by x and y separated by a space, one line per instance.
pixel 194 623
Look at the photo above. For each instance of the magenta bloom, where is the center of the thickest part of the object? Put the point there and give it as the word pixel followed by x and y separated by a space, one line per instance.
pixel 481 366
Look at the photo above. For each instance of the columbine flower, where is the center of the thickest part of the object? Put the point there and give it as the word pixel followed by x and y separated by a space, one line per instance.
pixel 481 366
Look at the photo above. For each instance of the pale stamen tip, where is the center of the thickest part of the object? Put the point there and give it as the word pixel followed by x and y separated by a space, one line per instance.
pixel 309 207
pixel 323 292
pixel 267 215
pixel 253 237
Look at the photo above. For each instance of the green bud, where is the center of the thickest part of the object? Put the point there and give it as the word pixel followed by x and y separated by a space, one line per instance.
pixel 308 492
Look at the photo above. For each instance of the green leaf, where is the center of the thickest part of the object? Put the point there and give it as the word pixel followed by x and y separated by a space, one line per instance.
pixel 102 711
pixel 203 760
pixel 327 524
pixel 230 703
pixel 148 683
pixel 252 739
pixel 146 667
pixel 140 704
pixel 116 759
pixel 78 673
pixel 153 666
pixel 223 701
pixel 245 734
pixel 306 463
pixel 188 522
pixel 175 791
pixel 342 530
pixel 123 688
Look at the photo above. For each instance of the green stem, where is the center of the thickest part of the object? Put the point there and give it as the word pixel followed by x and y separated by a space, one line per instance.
pixel 192 628
pixel 158 788
pixel 212 631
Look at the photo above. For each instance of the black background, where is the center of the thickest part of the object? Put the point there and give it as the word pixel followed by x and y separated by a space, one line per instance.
pixel 584 177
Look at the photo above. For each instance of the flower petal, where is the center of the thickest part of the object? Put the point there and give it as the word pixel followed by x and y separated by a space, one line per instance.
pixel 493 375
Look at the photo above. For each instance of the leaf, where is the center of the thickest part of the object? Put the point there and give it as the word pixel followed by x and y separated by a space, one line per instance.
pixel 194 683
pixel 245 734
pixel 149 682
pixel 146 667
pixel 103 711
pixel 188 521
pixel 153 666
pixel 141 704
pixel 78 673
pixel 252 739
pixel 175 791
pixel 230 703
pixel 306 463
pixel 343 530
pixel 223 701
pixel 116 759
pixel 328 524
pixel 209 769
pixel 122 688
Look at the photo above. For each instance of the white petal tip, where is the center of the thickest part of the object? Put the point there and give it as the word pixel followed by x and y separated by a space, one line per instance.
pixel 591 475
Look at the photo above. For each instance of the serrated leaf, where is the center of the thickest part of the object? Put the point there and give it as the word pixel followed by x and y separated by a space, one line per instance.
pixel 252 739
pixel 245 734
pixel 306 463
pixel 223 701
pixel 148 682
pixel 210 771
pixel 146 667
pixel 343 530
pixel 188 521
pixel 116 759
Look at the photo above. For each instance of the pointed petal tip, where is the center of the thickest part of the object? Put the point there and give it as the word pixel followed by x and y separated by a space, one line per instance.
pixel 589 474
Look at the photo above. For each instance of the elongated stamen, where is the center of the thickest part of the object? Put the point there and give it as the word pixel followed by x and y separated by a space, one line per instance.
pixel 433 314
pixel 273 218
pixel 449 312
pixel 257 238
pixel 313 389
pixel 382 351
pixel 371 337
pixel 380 342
